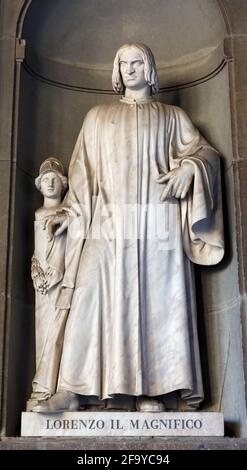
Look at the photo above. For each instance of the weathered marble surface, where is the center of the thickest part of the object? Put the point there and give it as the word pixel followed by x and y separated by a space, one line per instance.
pixel 132 326
pixel 122 424
pixel 47 269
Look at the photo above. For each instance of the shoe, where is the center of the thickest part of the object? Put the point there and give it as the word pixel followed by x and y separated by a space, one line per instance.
pixel 149 404
pixel 58 403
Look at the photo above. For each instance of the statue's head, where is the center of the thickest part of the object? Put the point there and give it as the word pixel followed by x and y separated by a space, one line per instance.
pixel 134 60
pixel 51 181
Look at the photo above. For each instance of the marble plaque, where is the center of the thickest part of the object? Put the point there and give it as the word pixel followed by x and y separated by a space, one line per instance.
pixel 88 424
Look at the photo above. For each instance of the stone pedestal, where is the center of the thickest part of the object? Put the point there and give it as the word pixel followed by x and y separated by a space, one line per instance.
pixel 90 424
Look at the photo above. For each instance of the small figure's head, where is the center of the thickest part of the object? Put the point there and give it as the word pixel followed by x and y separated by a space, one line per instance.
pixel 134 67
pixel 51 181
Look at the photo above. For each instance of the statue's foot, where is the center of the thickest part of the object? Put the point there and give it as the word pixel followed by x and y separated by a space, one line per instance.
pixel 36 398
pixel 61 401
pixel 149 404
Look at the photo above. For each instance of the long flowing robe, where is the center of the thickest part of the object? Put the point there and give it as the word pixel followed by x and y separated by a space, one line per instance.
pixel 49 261
pixel 132 324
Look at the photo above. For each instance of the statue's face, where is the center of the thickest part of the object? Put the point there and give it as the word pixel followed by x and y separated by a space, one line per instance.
pixel 132 69
pixel 51 185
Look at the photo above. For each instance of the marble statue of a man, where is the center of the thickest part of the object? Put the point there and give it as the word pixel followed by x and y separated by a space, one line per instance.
pixel 132 327
pixel 47 270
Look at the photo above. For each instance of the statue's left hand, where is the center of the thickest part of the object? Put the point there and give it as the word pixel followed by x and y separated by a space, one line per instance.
pixel 178 182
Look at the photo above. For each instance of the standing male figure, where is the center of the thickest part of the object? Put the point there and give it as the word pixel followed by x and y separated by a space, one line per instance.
pixel 132 327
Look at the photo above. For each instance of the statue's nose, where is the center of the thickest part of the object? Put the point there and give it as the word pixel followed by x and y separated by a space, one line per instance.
pixel 130 68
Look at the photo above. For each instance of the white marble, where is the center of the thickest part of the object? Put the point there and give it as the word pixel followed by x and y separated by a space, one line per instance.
pixel 144 203
pixel 122 424
pixel 47 270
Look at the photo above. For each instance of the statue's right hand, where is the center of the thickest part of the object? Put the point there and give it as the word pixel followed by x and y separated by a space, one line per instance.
pixel 36 283
pixel 40 285
pixel 62 220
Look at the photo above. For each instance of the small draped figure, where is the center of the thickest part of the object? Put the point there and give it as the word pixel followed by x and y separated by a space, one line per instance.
pixel 47 270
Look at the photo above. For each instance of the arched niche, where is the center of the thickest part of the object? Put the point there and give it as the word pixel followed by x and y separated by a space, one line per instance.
pixel 67 69
pixel 68 43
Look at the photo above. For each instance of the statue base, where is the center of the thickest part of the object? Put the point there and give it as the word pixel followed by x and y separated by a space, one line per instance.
pixel 91 424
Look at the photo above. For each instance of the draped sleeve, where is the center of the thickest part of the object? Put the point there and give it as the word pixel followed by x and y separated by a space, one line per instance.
pixel 201 210
pixel 79 200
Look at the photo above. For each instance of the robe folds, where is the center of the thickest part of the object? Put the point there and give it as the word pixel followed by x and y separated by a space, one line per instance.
pixel 132 325
pixel 49 257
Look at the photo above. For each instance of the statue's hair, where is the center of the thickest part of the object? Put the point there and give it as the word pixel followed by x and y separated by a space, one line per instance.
pixel 63 179
pixel 150 72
